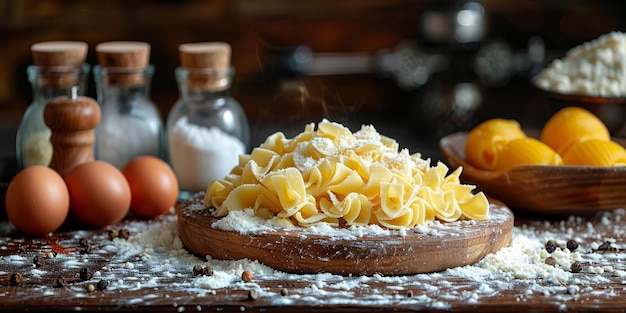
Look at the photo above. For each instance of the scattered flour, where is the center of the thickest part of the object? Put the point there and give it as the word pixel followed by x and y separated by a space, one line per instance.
pixel 154 258
pixel 520 264
pixel 247 222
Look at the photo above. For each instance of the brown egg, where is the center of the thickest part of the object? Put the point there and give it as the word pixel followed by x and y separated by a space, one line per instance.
pixel 99 193
pixel 153 186
pixel 37 200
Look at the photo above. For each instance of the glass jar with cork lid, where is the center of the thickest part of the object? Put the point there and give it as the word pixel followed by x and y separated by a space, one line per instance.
pixel 58 66
pixel 207 128
pixel 131 124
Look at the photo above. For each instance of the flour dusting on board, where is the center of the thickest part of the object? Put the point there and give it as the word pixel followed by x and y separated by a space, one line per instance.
pixel 521 265
pixel 247 222
pixel 153 258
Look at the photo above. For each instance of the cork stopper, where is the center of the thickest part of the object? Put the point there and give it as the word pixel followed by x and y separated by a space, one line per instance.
pixel 59 53
pixel 208 64
pixel 124 61
pixel 72 120
pixel 60 62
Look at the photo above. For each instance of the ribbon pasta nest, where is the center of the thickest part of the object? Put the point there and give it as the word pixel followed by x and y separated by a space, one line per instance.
pixel 333 175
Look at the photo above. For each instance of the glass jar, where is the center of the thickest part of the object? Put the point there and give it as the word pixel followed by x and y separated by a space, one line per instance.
pixel 207 129
pixel 130 123
pixel 33 145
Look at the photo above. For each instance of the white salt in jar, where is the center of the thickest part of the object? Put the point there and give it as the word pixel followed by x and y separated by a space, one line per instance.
pixel 207 129
pixel 131 125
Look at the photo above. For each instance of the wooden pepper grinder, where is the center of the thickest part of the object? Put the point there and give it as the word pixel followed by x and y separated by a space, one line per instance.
pixel 58 65
pixel 72 120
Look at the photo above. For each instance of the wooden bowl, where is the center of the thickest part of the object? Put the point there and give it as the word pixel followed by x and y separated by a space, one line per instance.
pixel 578 190
pixel 297 250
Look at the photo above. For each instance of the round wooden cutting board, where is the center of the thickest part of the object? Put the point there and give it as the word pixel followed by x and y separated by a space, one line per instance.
pixel 446 245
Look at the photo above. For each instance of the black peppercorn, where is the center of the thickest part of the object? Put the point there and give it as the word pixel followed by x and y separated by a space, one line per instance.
pixel 16 279
pixel 83 242
pixel 572 245
pixel 59 282
pixel 550 261
pixel 202 270
pixel 124 233
pixel 197 270
pixel 576 267
pixel 38 261
pixel 85 274
pixel 86 249
pixel 85 246
pixel 113 233
pixel 207 271
pixel 605 246
pixel 102 284
pixel 550 246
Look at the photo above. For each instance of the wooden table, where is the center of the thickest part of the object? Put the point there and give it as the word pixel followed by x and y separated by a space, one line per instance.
pixel 55 283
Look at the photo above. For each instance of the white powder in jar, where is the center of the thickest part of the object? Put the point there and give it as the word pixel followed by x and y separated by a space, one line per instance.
pixel 200 154
pixel 124 138
pixel 594 68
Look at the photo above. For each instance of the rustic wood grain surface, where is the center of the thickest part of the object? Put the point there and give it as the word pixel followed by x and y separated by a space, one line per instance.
pixel 53 277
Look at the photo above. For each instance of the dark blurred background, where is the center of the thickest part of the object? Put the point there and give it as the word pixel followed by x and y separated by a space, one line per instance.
pixel 417 70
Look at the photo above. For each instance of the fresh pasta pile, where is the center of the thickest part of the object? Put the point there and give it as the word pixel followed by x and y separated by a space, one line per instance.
pixel 332 175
